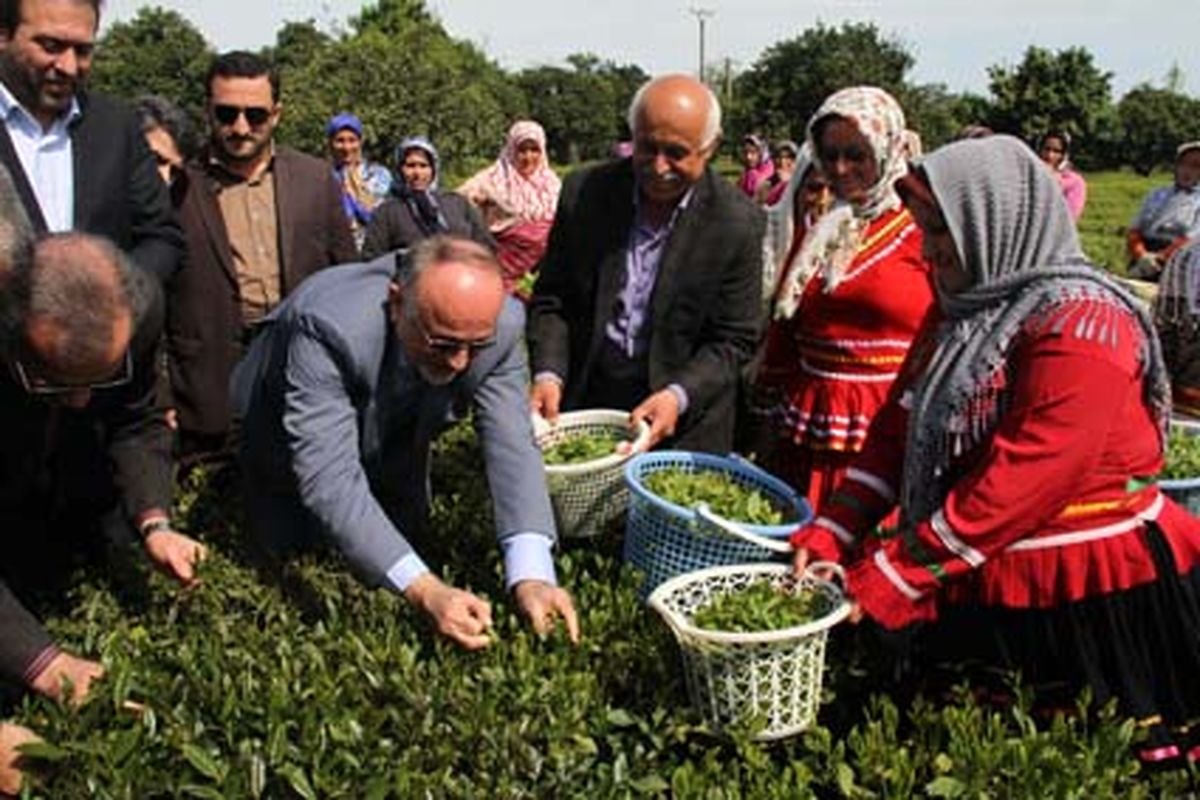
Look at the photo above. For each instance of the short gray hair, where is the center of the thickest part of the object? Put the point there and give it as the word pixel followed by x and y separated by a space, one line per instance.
pixel 62 280
pixel 712 123
pixel 413 262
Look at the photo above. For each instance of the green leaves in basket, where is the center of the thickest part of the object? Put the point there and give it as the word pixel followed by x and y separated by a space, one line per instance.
pixel 725 497
pixel 760 607
pixel 583 447
pixel 1183 456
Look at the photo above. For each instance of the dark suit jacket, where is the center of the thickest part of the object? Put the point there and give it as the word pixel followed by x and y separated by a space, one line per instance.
pixel 393 227
pixel 704 313
pixel 204 317
pixel 118 193
pixel 68 467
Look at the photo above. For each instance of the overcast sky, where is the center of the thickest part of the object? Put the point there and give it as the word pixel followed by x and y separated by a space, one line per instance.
pixel 954 41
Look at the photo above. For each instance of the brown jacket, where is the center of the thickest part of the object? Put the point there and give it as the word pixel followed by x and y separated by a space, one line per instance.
pixel 204 319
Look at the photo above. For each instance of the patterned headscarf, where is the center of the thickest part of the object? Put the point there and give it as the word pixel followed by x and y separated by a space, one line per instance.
pixel 753 176
pixel 522 199
pixel 781 224
pixel 832 244
pixel 1016 240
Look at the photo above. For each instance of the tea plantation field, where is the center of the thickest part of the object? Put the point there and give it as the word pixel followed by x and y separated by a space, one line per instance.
pixel 305 684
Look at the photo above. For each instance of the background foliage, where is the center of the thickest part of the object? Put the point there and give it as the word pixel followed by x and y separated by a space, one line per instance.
pixel 397 67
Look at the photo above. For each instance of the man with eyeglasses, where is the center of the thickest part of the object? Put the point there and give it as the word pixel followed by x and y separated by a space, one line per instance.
pixel 648 296
pixel 86 457
pixel 77 157
pixel 258 219
pixel 340 398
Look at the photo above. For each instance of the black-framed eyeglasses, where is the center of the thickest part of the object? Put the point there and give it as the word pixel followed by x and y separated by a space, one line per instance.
pixel 36 385
pixel 228 115
pixel 448 346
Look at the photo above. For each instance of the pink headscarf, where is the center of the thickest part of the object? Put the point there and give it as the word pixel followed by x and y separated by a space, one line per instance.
pixel 516 198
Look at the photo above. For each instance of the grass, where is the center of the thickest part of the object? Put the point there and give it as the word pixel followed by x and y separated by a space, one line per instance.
pixel 1113 199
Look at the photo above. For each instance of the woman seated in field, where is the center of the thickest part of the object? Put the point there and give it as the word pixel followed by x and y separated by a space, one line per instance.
pixel 518 195
pixel 1170 215
pixel 1022 451
pixel 853 294
pixel 1177 317
pixel 417 209
pixel 1054 148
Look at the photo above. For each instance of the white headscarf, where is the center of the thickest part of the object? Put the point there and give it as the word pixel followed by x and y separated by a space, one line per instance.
pixel 833 243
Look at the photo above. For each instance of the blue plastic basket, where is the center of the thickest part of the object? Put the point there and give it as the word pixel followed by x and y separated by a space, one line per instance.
pixel 663 539
pixel 1184 491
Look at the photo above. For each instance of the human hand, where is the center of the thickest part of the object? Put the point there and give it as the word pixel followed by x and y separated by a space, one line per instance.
pixel 813 543
pixel 661 412
pixel 12 737
pixel 545 398
pixel 66 669
pixel 175 554
pixel 541 602
pixel 457 614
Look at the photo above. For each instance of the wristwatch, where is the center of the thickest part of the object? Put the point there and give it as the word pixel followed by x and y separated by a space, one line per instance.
pixel 154 526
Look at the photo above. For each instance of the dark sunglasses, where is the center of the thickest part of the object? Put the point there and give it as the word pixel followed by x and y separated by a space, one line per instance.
pixel 36 385
pixel 228 115
pixel 448 346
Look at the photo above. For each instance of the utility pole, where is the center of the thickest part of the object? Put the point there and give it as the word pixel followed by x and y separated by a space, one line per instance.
pixel 701 14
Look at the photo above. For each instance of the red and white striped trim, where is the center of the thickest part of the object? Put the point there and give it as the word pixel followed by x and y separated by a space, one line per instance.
pixel 1092 534
pixel 883 253
pixel 872 482
pixel 904 587
pixel 952 542
pixel 844 536
pixel 855 344
pixel 877 377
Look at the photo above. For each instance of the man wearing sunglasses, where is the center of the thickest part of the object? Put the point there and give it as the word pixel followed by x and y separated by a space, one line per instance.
pixel 77 157
pixel 343 392
pixel 85 461
pixel 258 219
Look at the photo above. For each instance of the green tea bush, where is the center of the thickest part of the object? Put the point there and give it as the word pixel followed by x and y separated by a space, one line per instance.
pixel 303 683
pixel 1182 457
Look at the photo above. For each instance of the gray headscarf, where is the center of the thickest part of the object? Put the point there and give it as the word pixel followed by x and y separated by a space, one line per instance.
pixel 1014 236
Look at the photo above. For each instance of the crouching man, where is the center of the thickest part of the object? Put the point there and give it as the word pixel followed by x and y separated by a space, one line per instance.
pixel 340 397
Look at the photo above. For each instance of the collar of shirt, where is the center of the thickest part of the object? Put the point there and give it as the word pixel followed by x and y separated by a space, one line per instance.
pixel 15 113
pixel 646 230
pixel 222 175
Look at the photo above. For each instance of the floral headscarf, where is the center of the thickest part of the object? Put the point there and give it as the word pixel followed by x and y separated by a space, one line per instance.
pixel 517 198
pixel 832 244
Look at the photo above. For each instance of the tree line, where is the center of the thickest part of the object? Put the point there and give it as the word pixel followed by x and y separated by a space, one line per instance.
pixel 397 67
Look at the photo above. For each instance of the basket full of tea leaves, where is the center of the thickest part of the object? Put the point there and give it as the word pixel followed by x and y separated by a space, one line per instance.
pixel 584 453
pixel 667 532
pixel 752 638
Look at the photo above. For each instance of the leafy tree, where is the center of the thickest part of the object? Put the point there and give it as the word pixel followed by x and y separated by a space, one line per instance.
pixel 1154 122
pixel 583 109
pixel 1063 90
pixel 933 112
pixel 789 81
pixel 402 74
pixel 156 52
pixel 298 43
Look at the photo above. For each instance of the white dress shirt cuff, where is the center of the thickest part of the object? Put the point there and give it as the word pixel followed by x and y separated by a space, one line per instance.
pixel 405 571
pixel 527 556
pixel 681 395
pixel 547 375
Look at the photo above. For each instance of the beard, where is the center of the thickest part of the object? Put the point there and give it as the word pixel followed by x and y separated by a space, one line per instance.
pixel 241 149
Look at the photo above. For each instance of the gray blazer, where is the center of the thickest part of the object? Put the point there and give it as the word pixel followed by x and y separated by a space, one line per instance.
pixel 337 424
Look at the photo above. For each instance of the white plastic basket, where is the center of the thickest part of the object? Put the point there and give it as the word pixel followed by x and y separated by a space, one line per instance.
pixel 588 496
pixel 773 676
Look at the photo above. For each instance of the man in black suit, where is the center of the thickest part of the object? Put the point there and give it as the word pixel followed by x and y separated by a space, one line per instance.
pixel 86 456
pixel 648 295
pixel 78 158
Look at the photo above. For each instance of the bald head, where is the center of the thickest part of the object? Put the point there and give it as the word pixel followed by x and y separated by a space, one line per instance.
pixel 676 124
pixel 445 304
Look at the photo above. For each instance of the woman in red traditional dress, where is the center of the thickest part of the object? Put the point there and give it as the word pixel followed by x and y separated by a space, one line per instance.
pixel 1022 453
pixel 853 293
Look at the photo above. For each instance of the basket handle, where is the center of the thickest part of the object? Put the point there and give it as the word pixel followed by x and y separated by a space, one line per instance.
pixel 738 532
pixel 819 569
